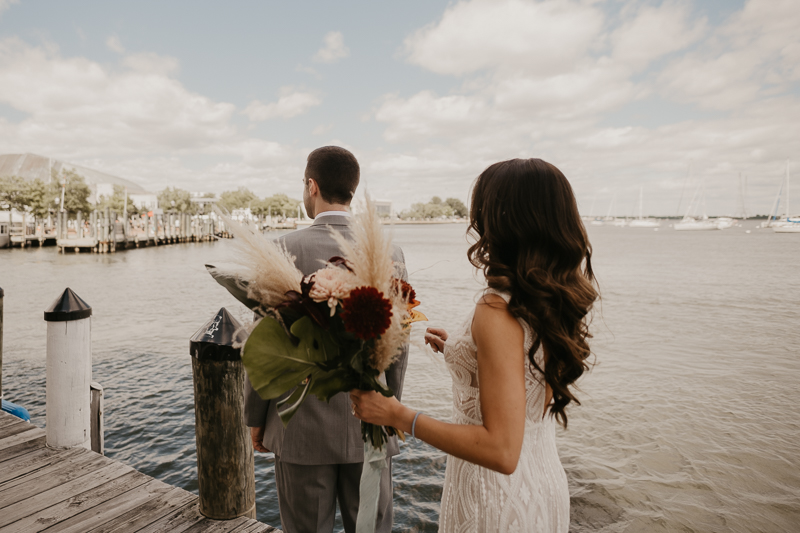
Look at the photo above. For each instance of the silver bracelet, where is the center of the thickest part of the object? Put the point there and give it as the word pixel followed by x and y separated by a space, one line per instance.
pixel 414 424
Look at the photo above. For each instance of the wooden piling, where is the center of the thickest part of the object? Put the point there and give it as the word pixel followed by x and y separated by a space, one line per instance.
pixel 96 422
pixel 69 371
pixel 224 451
pixel 113 239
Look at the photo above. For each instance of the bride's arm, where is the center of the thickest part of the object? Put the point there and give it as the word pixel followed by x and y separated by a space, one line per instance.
pixel 501 369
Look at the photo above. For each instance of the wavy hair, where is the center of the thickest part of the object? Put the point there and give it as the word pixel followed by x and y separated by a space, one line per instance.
pixel 531 243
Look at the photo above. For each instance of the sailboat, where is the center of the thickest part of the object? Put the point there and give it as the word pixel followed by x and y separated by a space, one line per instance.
pixel 641 222
pixel 692 223
pixel 787 224
pixel 614 221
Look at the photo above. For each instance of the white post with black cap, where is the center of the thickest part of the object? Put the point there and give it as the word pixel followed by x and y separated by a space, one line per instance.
pixel 69 371
pixel 225 474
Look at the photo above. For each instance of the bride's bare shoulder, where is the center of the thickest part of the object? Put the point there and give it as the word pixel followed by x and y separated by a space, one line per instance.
pixel 492 317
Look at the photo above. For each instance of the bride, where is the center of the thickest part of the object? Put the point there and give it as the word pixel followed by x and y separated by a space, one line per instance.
pixel 515 360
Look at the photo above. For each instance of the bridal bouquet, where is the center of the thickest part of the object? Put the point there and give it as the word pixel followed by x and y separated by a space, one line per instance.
pixel 334 331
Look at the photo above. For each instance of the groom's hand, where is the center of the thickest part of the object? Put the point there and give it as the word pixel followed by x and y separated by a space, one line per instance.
pixel 257 436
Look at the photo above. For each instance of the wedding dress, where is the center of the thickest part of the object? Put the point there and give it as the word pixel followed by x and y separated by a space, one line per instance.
pixel 535 498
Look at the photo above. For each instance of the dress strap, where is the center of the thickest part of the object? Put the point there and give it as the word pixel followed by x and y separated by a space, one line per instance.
pixel 502 294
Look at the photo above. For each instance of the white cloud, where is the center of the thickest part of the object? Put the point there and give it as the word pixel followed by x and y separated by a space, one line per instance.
pixel 654 32
pixel 333 48
pixel 5 4
pixel 545 80
pixel 538 37
pixel 754 51
pixel 322 128
pixel 134 120
pixel 115 45
pixel 290 104
pixel 71 99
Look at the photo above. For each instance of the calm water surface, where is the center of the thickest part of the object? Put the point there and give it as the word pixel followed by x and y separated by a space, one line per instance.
pixel 689 419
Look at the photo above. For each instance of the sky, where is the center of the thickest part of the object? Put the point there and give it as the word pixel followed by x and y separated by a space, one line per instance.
pixel 653 98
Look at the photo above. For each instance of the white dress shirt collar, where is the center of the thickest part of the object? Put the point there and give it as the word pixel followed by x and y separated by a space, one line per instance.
pixel 332 214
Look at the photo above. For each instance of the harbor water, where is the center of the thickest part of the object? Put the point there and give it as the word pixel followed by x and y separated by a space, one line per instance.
pixel 690 418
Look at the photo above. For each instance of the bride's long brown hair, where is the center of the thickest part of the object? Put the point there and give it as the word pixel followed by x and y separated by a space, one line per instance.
pixel 531 242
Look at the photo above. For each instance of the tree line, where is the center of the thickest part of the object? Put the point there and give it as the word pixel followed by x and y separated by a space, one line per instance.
pixel 436 208
pixel 42 199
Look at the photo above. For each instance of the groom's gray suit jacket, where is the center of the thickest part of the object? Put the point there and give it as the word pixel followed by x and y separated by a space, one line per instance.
pixel 320 433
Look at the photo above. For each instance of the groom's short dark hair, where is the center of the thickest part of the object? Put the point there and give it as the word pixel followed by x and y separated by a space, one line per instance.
pixel 336 172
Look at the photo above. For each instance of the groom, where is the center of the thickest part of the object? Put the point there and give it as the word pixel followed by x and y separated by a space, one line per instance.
pixel 319 456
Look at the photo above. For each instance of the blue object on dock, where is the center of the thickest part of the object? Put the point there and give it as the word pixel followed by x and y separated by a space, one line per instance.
pixel 16 410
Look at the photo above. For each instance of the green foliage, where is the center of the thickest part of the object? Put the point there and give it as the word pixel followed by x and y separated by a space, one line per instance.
pixel 116 202
pixel 458 207
pixel 277 205
pixel 76 191
pixel 14 192
pixel 41 197
pixel 175 199
pixel 275 365
pixel 238 199
pixel 430 210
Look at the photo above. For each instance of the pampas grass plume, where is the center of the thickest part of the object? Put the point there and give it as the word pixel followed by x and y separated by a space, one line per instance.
pixel 370 256
pixel 266 265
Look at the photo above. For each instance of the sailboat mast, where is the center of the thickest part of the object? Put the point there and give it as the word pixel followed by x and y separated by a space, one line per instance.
pixel 788 196
pixel 641 188
pixel 744 196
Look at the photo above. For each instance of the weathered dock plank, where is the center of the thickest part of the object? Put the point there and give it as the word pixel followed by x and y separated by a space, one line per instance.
pixel 76 490
pixel 148 512
pixel 72 467
pixel 110 510
pixel 22 448
pixel 177 522
pixel 32 433
pixel 77 504
pixel 32 464
pixel 29 498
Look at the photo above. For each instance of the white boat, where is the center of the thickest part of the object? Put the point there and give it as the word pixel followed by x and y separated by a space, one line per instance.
pixel 609 220
pixel 790 225
pixel 640 221
pixel 724 222
pixel 787 224
pixel 696 223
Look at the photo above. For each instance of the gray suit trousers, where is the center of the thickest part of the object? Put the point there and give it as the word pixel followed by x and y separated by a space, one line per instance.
pixel 307 496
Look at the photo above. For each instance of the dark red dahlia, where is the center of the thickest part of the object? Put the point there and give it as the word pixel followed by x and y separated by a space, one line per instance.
pixel 366 313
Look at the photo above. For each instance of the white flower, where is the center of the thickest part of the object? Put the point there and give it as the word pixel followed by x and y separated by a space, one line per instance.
pixel 332 284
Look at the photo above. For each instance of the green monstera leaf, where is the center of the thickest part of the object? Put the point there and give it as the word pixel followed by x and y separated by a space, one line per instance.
pixel 317 365
pixel 275 365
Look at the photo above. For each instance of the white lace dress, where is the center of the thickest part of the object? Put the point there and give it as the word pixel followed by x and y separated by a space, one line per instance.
pixel 535 498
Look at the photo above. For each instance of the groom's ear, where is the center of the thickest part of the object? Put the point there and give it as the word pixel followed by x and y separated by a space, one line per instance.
pixel 313 188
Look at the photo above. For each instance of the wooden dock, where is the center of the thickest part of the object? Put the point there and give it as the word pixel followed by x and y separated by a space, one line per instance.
pixel 80 491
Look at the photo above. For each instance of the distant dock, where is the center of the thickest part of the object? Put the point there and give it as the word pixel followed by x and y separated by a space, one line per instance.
pixel 76 490
pixel 106 232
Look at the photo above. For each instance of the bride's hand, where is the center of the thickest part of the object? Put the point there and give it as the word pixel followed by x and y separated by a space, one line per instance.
pixel 374 408
pixel 436 337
